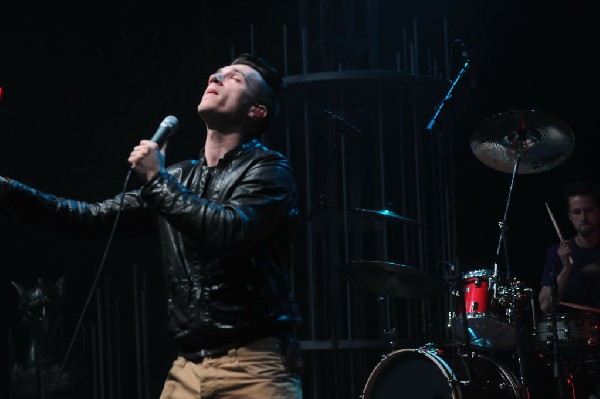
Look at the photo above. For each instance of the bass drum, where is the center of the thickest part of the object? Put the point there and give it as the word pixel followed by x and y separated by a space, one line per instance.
pixel 427 373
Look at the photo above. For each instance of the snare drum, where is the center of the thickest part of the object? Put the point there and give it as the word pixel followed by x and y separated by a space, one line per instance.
pixel 578 333
pixel 491 319
pixel 434 373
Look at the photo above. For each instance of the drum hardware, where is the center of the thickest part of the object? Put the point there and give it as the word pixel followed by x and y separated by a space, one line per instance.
pixel 556 354
pixel 391 279
pixel 492 321
pixel 466 334
pixel 519 142
pixel 535 140
pixel 440 372
pixel 384 215
pixel 577 334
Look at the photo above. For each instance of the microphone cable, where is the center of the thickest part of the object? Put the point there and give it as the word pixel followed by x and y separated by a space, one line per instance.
pixel 166 128
pixel 93 288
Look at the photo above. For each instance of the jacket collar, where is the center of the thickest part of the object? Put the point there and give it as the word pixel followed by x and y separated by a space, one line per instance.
pixel 234 152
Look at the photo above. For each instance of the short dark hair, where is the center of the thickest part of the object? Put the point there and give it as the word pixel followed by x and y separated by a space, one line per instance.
pixel 581 187
pixel 269 96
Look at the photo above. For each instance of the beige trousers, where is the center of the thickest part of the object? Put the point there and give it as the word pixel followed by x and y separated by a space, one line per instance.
pixel 254 371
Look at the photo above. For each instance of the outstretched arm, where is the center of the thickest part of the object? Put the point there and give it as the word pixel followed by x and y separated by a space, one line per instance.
pixel 34 207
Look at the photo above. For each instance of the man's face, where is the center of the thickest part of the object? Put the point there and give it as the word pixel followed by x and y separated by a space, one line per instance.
pixel 232 90
pixel 584 214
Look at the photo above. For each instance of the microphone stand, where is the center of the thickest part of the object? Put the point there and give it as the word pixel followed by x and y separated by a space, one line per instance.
pixel 319 204
pixel 439 107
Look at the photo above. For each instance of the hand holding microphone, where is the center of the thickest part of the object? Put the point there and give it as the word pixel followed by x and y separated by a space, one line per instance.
pixel 146 158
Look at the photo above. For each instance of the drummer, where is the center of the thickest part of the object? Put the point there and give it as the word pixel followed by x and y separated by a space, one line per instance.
pixel 575 261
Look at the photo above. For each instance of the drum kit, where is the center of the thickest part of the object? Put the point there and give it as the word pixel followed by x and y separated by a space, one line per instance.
pixel 493 313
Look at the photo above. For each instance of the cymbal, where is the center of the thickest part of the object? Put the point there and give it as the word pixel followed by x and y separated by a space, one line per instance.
pixel 385 214
pixel 391 278
pixel 591 270
pixel 539 140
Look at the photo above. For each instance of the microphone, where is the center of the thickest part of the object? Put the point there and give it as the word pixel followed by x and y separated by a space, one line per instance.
pixel 333 115
pixel 465 55
pixel 166 128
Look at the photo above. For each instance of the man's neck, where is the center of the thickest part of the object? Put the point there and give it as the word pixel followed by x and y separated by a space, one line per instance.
pixel 218 144
pixel 589 241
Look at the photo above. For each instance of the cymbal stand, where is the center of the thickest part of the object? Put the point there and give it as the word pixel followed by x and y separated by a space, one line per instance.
pixel 390 334
pixel 502 244
pixel 503 228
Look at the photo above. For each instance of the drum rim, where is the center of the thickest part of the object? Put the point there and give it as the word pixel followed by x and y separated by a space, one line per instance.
pixel 444 367
pixel 480 273
pixel 506 374
pixel 477 315
pixel 569 316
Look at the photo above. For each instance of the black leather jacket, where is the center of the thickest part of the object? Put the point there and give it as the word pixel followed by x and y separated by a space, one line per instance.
pixel 226 234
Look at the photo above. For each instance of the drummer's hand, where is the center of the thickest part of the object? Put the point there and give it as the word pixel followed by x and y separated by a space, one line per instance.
pixel 565 253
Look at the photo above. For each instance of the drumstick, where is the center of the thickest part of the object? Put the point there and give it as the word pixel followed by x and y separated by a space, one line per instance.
pixel 560 237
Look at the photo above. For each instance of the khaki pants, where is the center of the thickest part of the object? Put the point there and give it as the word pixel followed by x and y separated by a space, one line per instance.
pixel 256 370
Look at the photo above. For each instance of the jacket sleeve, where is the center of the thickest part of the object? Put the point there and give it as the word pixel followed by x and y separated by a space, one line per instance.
pixel 257 204
pixel 34 207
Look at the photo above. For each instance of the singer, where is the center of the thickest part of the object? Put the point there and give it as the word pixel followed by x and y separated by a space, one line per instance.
pixel 227 224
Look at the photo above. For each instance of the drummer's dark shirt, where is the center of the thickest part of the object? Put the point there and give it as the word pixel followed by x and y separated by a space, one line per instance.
pixel 579 289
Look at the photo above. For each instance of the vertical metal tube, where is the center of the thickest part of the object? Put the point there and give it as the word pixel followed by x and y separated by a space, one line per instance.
pixel 421 245
pixel 100 322
pixel 252 38
pixel 405 49
pixel 382 176
pixel 304 39
pixel 311 272
pixel 413 65
pixel 144 319
pixel 416 47
pixel 309 231
pixel 137 325
pixel 118 367
pixel 285 51
pixel 96 385
pixel 446 50
pixel 429 66
pixel 344 192
pixel 109 349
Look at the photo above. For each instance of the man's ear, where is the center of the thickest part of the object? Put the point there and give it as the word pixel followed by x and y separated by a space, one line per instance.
pixel 258 111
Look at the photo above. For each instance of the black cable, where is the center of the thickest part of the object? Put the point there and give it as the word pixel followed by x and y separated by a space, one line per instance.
pixel 94 284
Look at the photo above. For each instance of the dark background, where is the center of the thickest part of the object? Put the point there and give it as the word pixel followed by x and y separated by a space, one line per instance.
pixel 83 83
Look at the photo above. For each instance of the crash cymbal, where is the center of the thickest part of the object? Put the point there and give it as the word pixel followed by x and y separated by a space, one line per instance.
pixel 541 141
pixel 385 214
pixel 591 270
pixel 391 278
